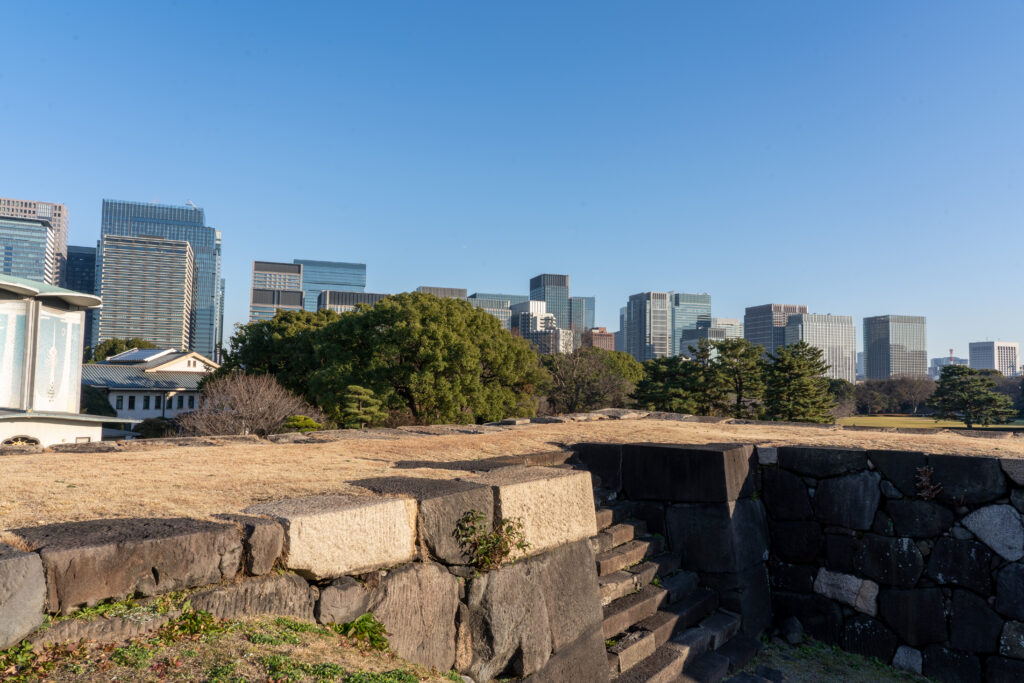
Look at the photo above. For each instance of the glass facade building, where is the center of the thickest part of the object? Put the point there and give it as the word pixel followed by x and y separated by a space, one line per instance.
pixel 648 332
pixel 275 286
pixel 335 276
pixel 81 277
pixel 443 292
pixel 26 249
pixel 56 217
pixel 766 325
pixel 512 299
pixel 184 224
pixel 499 308
pixel 833 334
pixel 688 312
pixel 895 346
pixel 553 290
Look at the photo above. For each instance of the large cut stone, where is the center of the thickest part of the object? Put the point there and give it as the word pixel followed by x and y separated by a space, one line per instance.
pixel 86 562
pixel 329 536
pixel 567 579
pixel 858 593
pixel 22 595
pixel 900 467
pixel 869 637
pixel 841 552
pixel 848 501
pixel 688 474
pixel 1010 591
pixel 795 578
pixel 891 561
pixel 283 595
pixel 1011 642
pixel 973 626
pixel 1003 670
pixel 262 542
pixel 343 601
pixel 718 537
pixel 943 664
pixel 919 518
pixel 507 623
pixel 555 506
pixel 967 480
pixel 582 660
pixel 961 563
pixel 917 616
pixel 604 460
pixel 821 618
pixel 746 593
pixel 785 495
pixel 796 541
pixel 999 527
pixel 1014 469
pixel 441 503
pixel 907 659
pixel 822 462
pixel 417 604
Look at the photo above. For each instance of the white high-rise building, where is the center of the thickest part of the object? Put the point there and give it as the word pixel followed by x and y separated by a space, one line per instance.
pixel 833 334
pixel 996 355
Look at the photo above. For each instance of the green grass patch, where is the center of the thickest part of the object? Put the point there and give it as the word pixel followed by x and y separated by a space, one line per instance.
pixel 910 422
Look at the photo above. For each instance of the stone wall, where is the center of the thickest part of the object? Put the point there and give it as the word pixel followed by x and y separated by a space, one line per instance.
pixel 333 558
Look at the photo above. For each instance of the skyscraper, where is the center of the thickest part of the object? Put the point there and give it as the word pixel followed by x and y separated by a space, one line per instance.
pixel 532 322
pixel 895 346
pixel 499 308
pixel 81 277
pixel 649 325
pixel 443 292
pixel 275 286
pixel 336 276
pixel 553 290
pixel 178 223
pixel 688 312
pixel 833 334
pixel 718 329
pixel 344 302
pixel 766 325
pixel 53 261
pixel 132 305
pixel 581 312
pixel 513 299
pixel 996 355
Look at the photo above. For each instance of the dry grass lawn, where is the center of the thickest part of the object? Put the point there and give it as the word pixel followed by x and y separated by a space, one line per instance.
pixel 200 481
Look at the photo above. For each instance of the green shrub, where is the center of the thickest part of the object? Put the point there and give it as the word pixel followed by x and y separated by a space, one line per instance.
pixel 300 423
pixel 366 631
pixel 489 549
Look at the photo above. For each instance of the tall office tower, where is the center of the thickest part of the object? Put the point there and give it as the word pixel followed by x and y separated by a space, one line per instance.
pixel 343 302
pixel 553 290
pixel 532 322
pixel 27 248
pixel 620 336
pixel 132 305
pixel 178 223
pixel 649 325
pixel 996 355
pixel 80 276
pixel 443 292
pixel 499 308
pixel 54 262
pixel 895 346
pixel 335 276
pixel 766 325
pixel 688 312
pixel 718 329
pixel 275 286
pixel 936 365
pixel 833 334
pixel 581 312
pixel 513 299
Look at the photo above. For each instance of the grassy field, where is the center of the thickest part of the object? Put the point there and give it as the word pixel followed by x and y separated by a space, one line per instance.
pixel 908 421
pixel 813 661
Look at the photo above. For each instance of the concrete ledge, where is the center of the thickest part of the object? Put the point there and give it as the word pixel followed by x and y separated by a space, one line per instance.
pixel 329 536
pixel 555 506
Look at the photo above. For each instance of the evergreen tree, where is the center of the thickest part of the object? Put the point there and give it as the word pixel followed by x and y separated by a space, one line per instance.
pixel 966 394
pixel 701 379
pixel 796 389
pixel 112 347
pixel 740 373
pixel 361 408
pixel 663 386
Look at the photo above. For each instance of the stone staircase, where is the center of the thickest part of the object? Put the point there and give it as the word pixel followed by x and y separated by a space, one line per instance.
pixel 659 624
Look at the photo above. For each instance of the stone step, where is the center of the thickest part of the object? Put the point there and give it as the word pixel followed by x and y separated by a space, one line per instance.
pixel 696 641
pixel 723 625
pixel 664 666
pixel 617 535
pixel 627 611
pixel 667 563
pixel 693 608
pixel 624 556
pixel 680 585
pixel 615 585
pixel 740 649
pixel 710 667
pixel 644 572
pixel 631 649
pixel 604 518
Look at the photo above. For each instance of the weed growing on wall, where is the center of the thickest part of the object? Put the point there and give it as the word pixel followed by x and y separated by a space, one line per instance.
pixel 489 549
pixel 366 631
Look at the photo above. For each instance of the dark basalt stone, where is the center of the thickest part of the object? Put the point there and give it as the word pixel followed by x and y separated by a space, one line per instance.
pixel 849 501
pixel 916 615
pixel 869 637
pixel 785 495
pixel 961 563
pixel 822 462
pixel 919 518
pixel 973 625
pixel 889 561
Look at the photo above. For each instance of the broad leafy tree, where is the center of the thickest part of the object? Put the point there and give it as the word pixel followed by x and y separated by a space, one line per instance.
pixel 966 394
pixel 590 378
pixel 112 347
pixel 796 389
pixel 739 370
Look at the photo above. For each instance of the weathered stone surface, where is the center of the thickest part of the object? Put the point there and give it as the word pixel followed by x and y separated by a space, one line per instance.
pixel 688 474
pixel 820 617
pixel 889 489
pixel 86 562
pixel 869 637
pixel 858 593
pixel 820 462
pixel 999 527
pixel 891 561
pixel 330 536
pixel 785 495
pixel 283 595
pixel 722 625
pixel 917 616
pixel 22 595
pixel 908 659
pixel 942 664
pixel 341 602
pixel 507 623
pixel 1011 642
pixel 796 542
pixel 262 542
pixel 841 552
pixel 719 537
pixel 919 518
pixel 604 460
pixel 692 609
pixel 680 585
pixel 100 630
pixel 973 626
pixel 969 479
pixel 633 648
pixel 1003 670
pixel 882 525
pixel 1014 469
pixel 441 504
pixel 792 630
pixel 583 660
pixel 795 578
pixel 417 604
pixel 767 455
pixel 1017 499
pixel 961 563
pixel 747 593
pixel 567 580
pixel 615 585
pixel 1010 591
pixel 627 611
pixel 849 501
pixel 899 467
pixel 555 506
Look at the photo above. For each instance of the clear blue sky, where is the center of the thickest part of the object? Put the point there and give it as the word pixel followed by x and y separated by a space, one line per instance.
pixel 860 157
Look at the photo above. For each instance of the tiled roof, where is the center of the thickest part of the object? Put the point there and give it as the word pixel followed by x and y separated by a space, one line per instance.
pixel 135 377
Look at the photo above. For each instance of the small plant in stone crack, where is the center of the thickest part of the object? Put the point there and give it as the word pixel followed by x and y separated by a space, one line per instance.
pixel 489 549
pixel 366 632
pixel 926 488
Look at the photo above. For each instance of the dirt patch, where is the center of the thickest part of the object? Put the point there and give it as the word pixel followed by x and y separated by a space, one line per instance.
pixel 201 481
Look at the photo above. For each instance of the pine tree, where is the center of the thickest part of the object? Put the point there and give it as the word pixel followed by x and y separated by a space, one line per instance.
pixel 966 394
pixel 740 372
pixel 796 389
pixel 361 408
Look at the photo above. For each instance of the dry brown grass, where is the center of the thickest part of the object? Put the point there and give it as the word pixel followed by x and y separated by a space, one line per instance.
pixel 200 481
